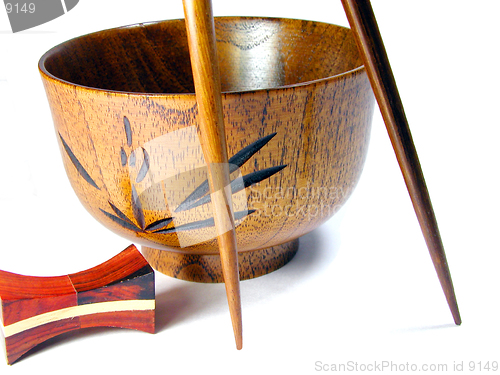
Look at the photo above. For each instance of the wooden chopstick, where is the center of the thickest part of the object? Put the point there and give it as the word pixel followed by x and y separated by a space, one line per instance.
pixel 367 34
pixel 202 49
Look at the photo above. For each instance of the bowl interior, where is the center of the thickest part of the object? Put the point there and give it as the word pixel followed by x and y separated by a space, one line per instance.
pixel 254 53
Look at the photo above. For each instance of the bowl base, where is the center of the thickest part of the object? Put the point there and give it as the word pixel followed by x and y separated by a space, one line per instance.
pixel 207 268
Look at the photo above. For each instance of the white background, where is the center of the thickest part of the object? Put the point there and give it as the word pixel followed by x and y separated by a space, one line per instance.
pixel 362 287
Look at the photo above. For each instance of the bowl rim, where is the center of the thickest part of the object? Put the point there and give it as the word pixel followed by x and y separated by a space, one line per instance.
pixel 54 50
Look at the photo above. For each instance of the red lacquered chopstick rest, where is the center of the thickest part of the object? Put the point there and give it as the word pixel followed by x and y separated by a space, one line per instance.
pixel 118 293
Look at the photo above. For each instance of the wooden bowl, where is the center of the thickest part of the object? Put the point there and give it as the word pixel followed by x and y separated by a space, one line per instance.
pixel 297 106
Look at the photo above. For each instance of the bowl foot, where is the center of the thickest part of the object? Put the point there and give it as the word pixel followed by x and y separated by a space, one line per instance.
pixel 207 268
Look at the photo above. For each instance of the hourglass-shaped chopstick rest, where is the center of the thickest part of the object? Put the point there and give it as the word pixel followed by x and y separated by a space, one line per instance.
pixel 118 293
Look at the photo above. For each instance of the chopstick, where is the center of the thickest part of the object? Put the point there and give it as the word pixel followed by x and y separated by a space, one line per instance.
pixel 202 49
pixel 367 34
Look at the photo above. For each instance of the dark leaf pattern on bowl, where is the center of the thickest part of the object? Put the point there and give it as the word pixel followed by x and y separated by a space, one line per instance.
pixel 236 161
pixel 123 157
pixel 144 168
pixel 203 223
pixel 197 198
pixel 125 224
pixel 128 130
pixel 79 167
pixel 132 159
pixel 239 184
pixel 120 214
pixel 159 224
pixel 137 208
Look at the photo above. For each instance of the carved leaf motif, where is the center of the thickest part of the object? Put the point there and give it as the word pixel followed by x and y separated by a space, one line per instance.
pixel 120 214
pixel 144 168
pixel 128 130
pixel 203 223
pixel 79 167
pixel 137 208
pixel 236 161
pixel 159 224
pixel 240 184
pixel 123 157
pixel 123 223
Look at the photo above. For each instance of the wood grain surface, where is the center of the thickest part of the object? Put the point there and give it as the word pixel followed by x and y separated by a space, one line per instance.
pixel 117 293
pixel 297 106
pixel 205 268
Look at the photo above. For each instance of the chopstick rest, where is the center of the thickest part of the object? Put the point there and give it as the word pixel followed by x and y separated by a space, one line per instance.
pixel 118 293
